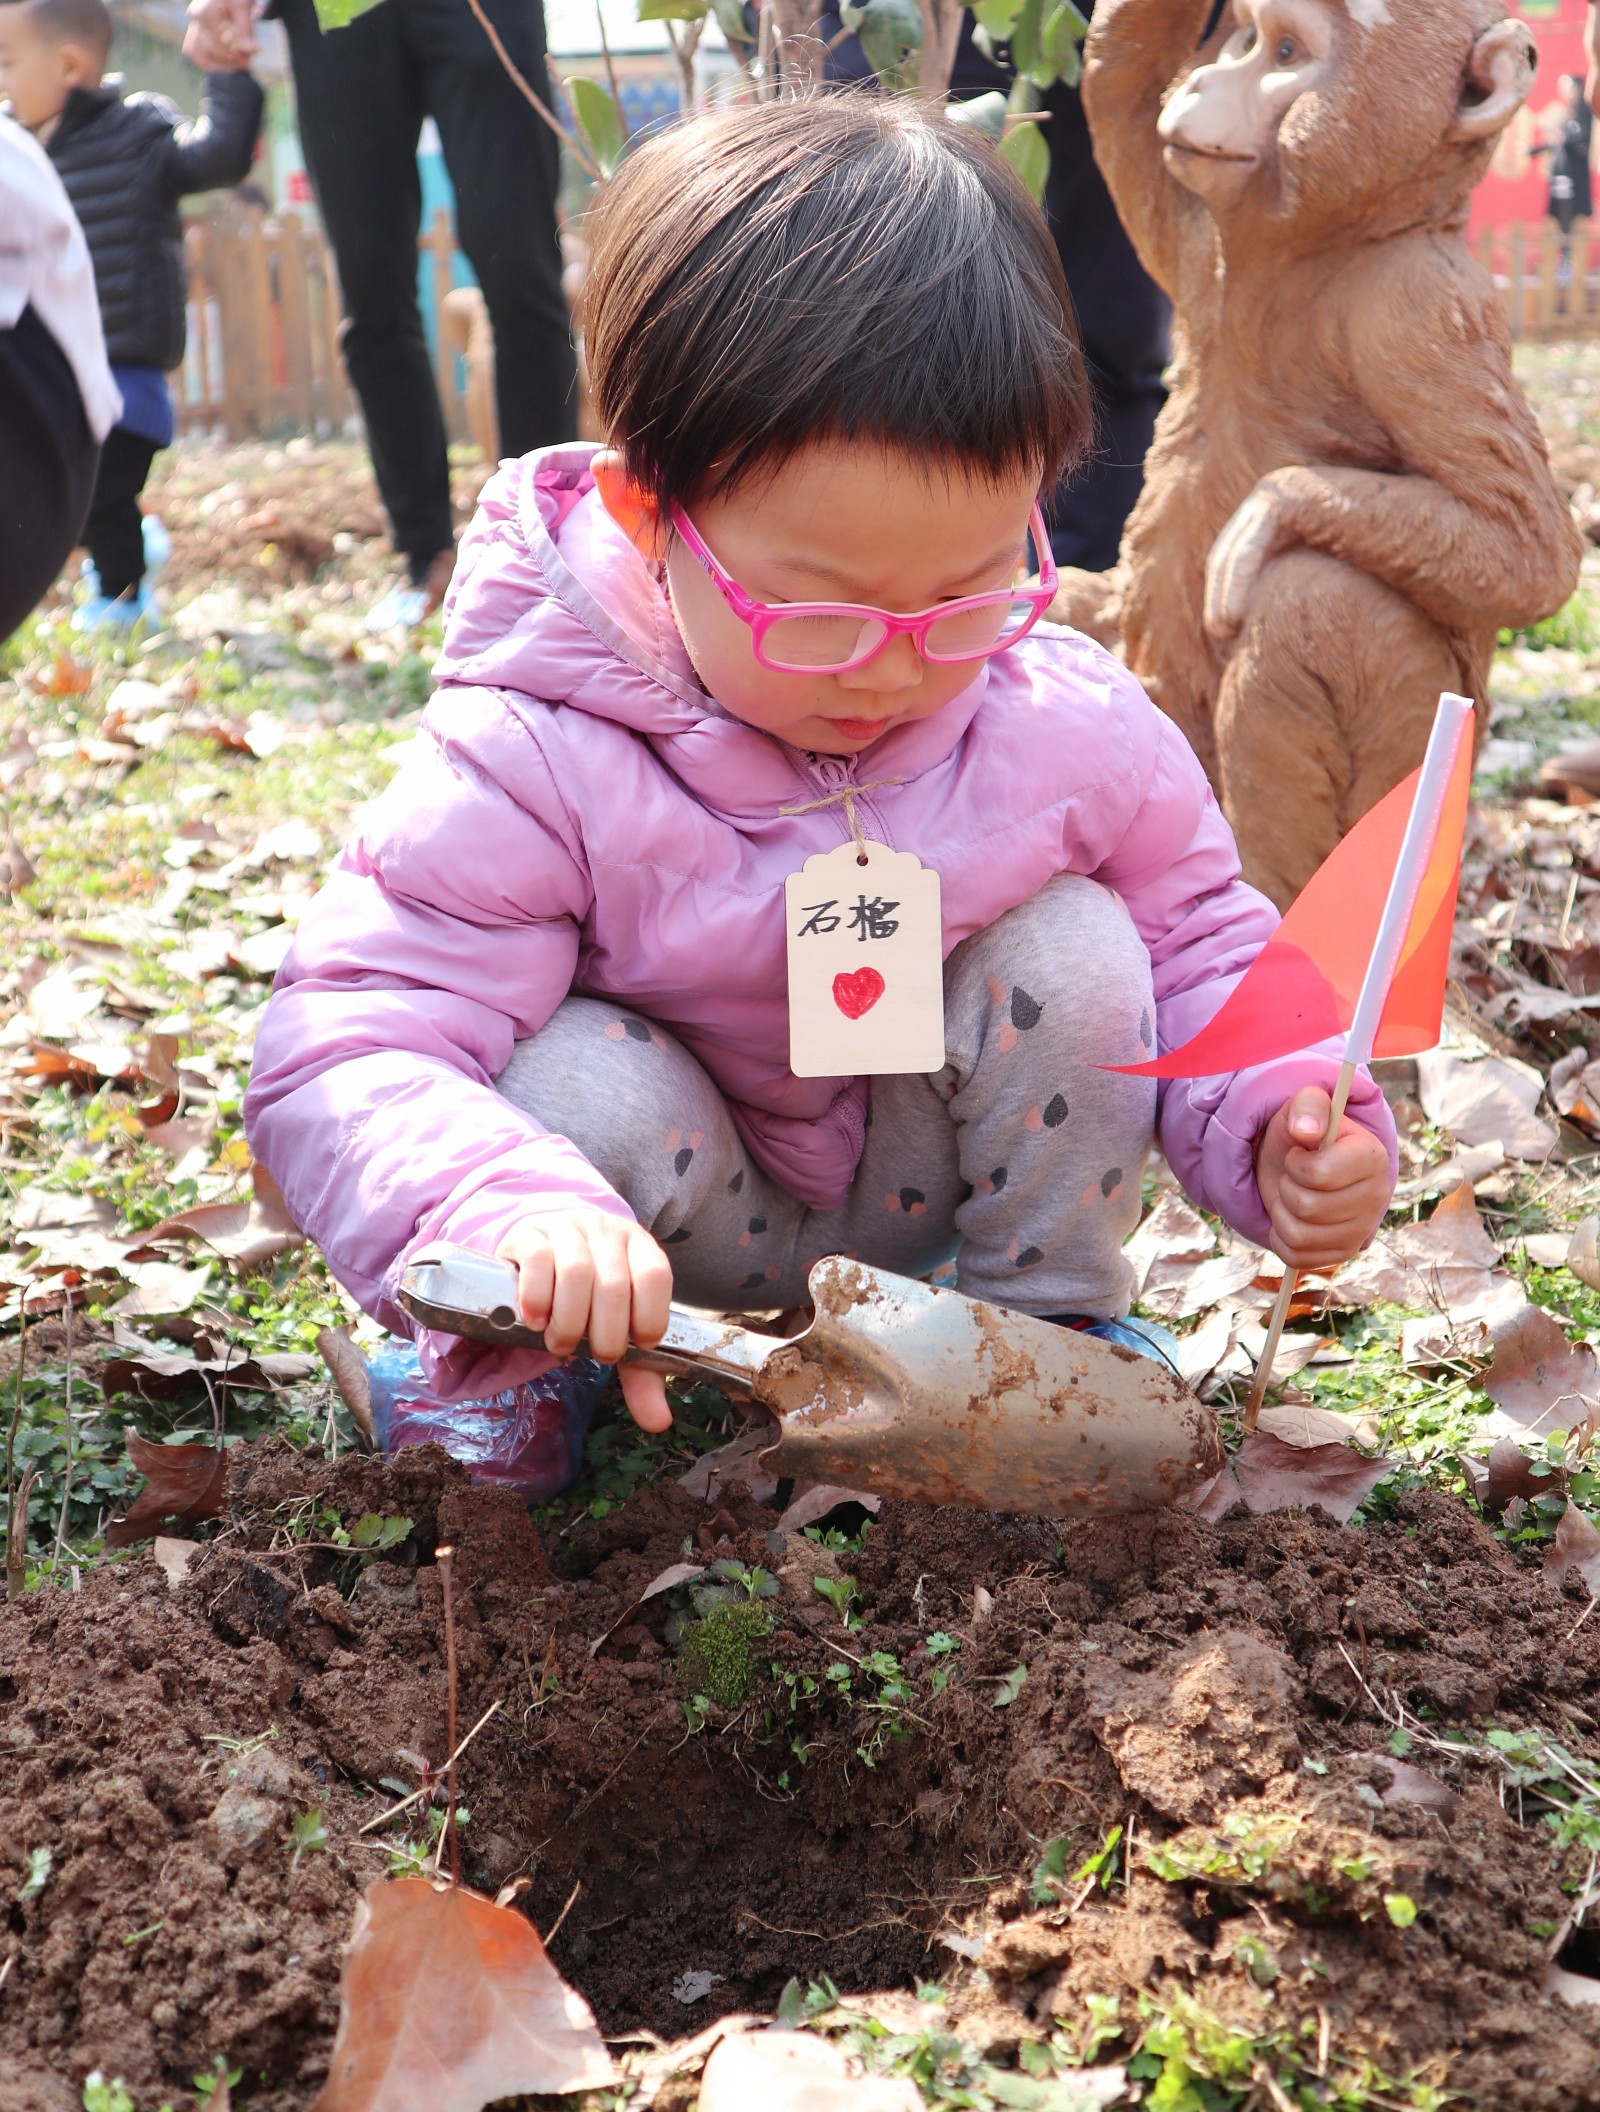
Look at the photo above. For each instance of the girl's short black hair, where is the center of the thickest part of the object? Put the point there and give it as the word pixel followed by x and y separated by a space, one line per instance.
pixel 850 266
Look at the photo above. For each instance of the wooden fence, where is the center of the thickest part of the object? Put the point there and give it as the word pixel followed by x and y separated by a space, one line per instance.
pixel 1549 282
pixel 264 315
pixel 263 353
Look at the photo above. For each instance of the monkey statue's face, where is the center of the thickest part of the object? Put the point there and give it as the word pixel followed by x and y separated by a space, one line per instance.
pixel 1325 113
pixel 1222 124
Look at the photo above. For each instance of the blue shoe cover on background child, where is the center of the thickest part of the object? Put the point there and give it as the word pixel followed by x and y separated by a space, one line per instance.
pixel 528 1438
pixel 402 608
pixel 124 614
pixel 157 546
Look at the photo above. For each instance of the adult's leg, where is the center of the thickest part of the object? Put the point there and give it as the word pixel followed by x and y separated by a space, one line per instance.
pixel 1324 707
pixel 504 163
pixel 360 110
pixel 1124 318
pixel 114 530
pixel 47 465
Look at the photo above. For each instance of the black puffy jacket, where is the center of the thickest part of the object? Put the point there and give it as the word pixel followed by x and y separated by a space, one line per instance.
pixel 125 166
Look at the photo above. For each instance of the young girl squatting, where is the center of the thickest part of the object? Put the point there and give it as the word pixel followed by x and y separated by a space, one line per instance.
pixel 541 1006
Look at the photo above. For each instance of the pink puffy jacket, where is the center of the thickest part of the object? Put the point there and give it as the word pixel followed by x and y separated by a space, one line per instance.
pixel 580 816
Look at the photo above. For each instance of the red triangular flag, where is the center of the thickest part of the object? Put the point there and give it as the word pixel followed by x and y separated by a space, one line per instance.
pixel 1303 985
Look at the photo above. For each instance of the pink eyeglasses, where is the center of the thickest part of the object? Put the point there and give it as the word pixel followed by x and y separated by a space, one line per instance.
pixel 827 637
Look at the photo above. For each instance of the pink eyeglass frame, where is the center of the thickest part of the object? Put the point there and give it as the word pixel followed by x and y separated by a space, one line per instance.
pixel 762 615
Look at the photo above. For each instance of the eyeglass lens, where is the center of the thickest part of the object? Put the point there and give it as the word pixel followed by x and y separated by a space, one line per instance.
pixel 805 643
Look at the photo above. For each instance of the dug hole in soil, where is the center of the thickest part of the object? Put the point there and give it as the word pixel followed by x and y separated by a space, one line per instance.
pixel 1177 1672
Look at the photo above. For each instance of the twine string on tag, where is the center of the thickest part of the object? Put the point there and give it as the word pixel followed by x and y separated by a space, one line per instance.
pixel 847 795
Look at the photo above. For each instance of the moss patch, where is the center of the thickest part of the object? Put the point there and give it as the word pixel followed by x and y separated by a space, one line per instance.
pixel 718 1658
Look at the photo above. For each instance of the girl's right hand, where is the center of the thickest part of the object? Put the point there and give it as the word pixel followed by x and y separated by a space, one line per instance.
pixel 586 1273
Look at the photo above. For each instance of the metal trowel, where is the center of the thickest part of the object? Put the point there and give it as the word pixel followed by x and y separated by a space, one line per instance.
pixel 903 1390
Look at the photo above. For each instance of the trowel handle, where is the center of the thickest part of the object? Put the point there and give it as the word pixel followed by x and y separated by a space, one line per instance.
pixel 461 1292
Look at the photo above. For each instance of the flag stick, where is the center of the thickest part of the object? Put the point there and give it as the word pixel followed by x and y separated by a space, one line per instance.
pixel 1291 1277
pixel 1416 848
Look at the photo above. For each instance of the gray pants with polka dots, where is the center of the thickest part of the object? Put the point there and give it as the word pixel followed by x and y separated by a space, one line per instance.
pixel 1018 1163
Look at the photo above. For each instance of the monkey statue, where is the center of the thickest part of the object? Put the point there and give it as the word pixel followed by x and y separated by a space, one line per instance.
pixel 1348 494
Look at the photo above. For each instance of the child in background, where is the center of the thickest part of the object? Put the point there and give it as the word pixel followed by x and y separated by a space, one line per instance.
pixel 125 165
pixel 541 1007
pixel 57 398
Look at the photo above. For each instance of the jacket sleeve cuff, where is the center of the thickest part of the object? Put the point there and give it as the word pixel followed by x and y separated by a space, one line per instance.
pixel 1209 1135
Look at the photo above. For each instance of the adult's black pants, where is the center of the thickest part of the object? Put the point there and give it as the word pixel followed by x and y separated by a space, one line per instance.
pixel 362 93
pixel 114 530
pixel 47 465
pixel 1125 320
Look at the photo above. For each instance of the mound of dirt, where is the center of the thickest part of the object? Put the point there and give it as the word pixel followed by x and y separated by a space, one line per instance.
pixel 1184 1681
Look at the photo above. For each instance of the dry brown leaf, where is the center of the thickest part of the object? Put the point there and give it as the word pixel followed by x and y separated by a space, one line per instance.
pixel 1437 1339
pixel 1413 1785
pixel 1274 1476
pixel 1188 1290
pixel 1575 1546
pixel 188 1133
pixel 160 1289
pixel 350 1375
pixel 1486 1099
pixel 812 1501
pixel 790 2071
pixel 181 1481
pixel 67 677
pixel 264 954
pixel 678 1573
pixel 1214 1499
pixel 1583 1256
pixel 37 1209
pixel 59 1003
pixel 244 1232
pixel 157 1374
pixel 1170 1241
pixel 1511 1474
pixel 739 1460
pixel 173 1557
pixel 447 2002
pixel 1449 1264
pixel 1538 1377
pixel 159 1063
pixel 16 871
pixel 1301 1424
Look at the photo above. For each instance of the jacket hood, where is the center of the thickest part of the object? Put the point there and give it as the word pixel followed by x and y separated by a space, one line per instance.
pixel 551 600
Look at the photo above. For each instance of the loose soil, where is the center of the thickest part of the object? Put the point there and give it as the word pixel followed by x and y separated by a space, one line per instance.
pixel 1178 1672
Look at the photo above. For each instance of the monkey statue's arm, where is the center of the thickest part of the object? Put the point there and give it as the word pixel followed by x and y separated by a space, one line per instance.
pixel 1469 525
pixel 1134 51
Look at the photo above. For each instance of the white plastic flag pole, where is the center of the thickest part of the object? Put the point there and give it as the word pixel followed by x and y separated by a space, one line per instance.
pixel 1416 848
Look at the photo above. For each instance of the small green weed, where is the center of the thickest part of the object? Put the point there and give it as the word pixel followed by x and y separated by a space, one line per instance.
pixel 309 1833
pixel 409 1858
pixel 39 1861
pixel 839 1593
pixel 1102 1867
pixel 101 2096
pixel 1010 1686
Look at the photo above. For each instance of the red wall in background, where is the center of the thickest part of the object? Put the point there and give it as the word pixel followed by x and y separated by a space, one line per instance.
pixel 1517 186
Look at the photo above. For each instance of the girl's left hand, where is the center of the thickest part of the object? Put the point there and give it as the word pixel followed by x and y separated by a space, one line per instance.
pixel 1324 1205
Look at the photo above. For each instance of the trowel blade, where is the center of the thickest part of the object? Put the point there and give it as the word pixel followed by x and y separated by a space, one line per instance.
pixel 923 1394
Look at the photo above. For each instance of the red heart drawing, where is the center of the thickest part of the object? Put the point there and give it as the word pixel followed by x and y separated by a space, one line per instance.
pixel 857 993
